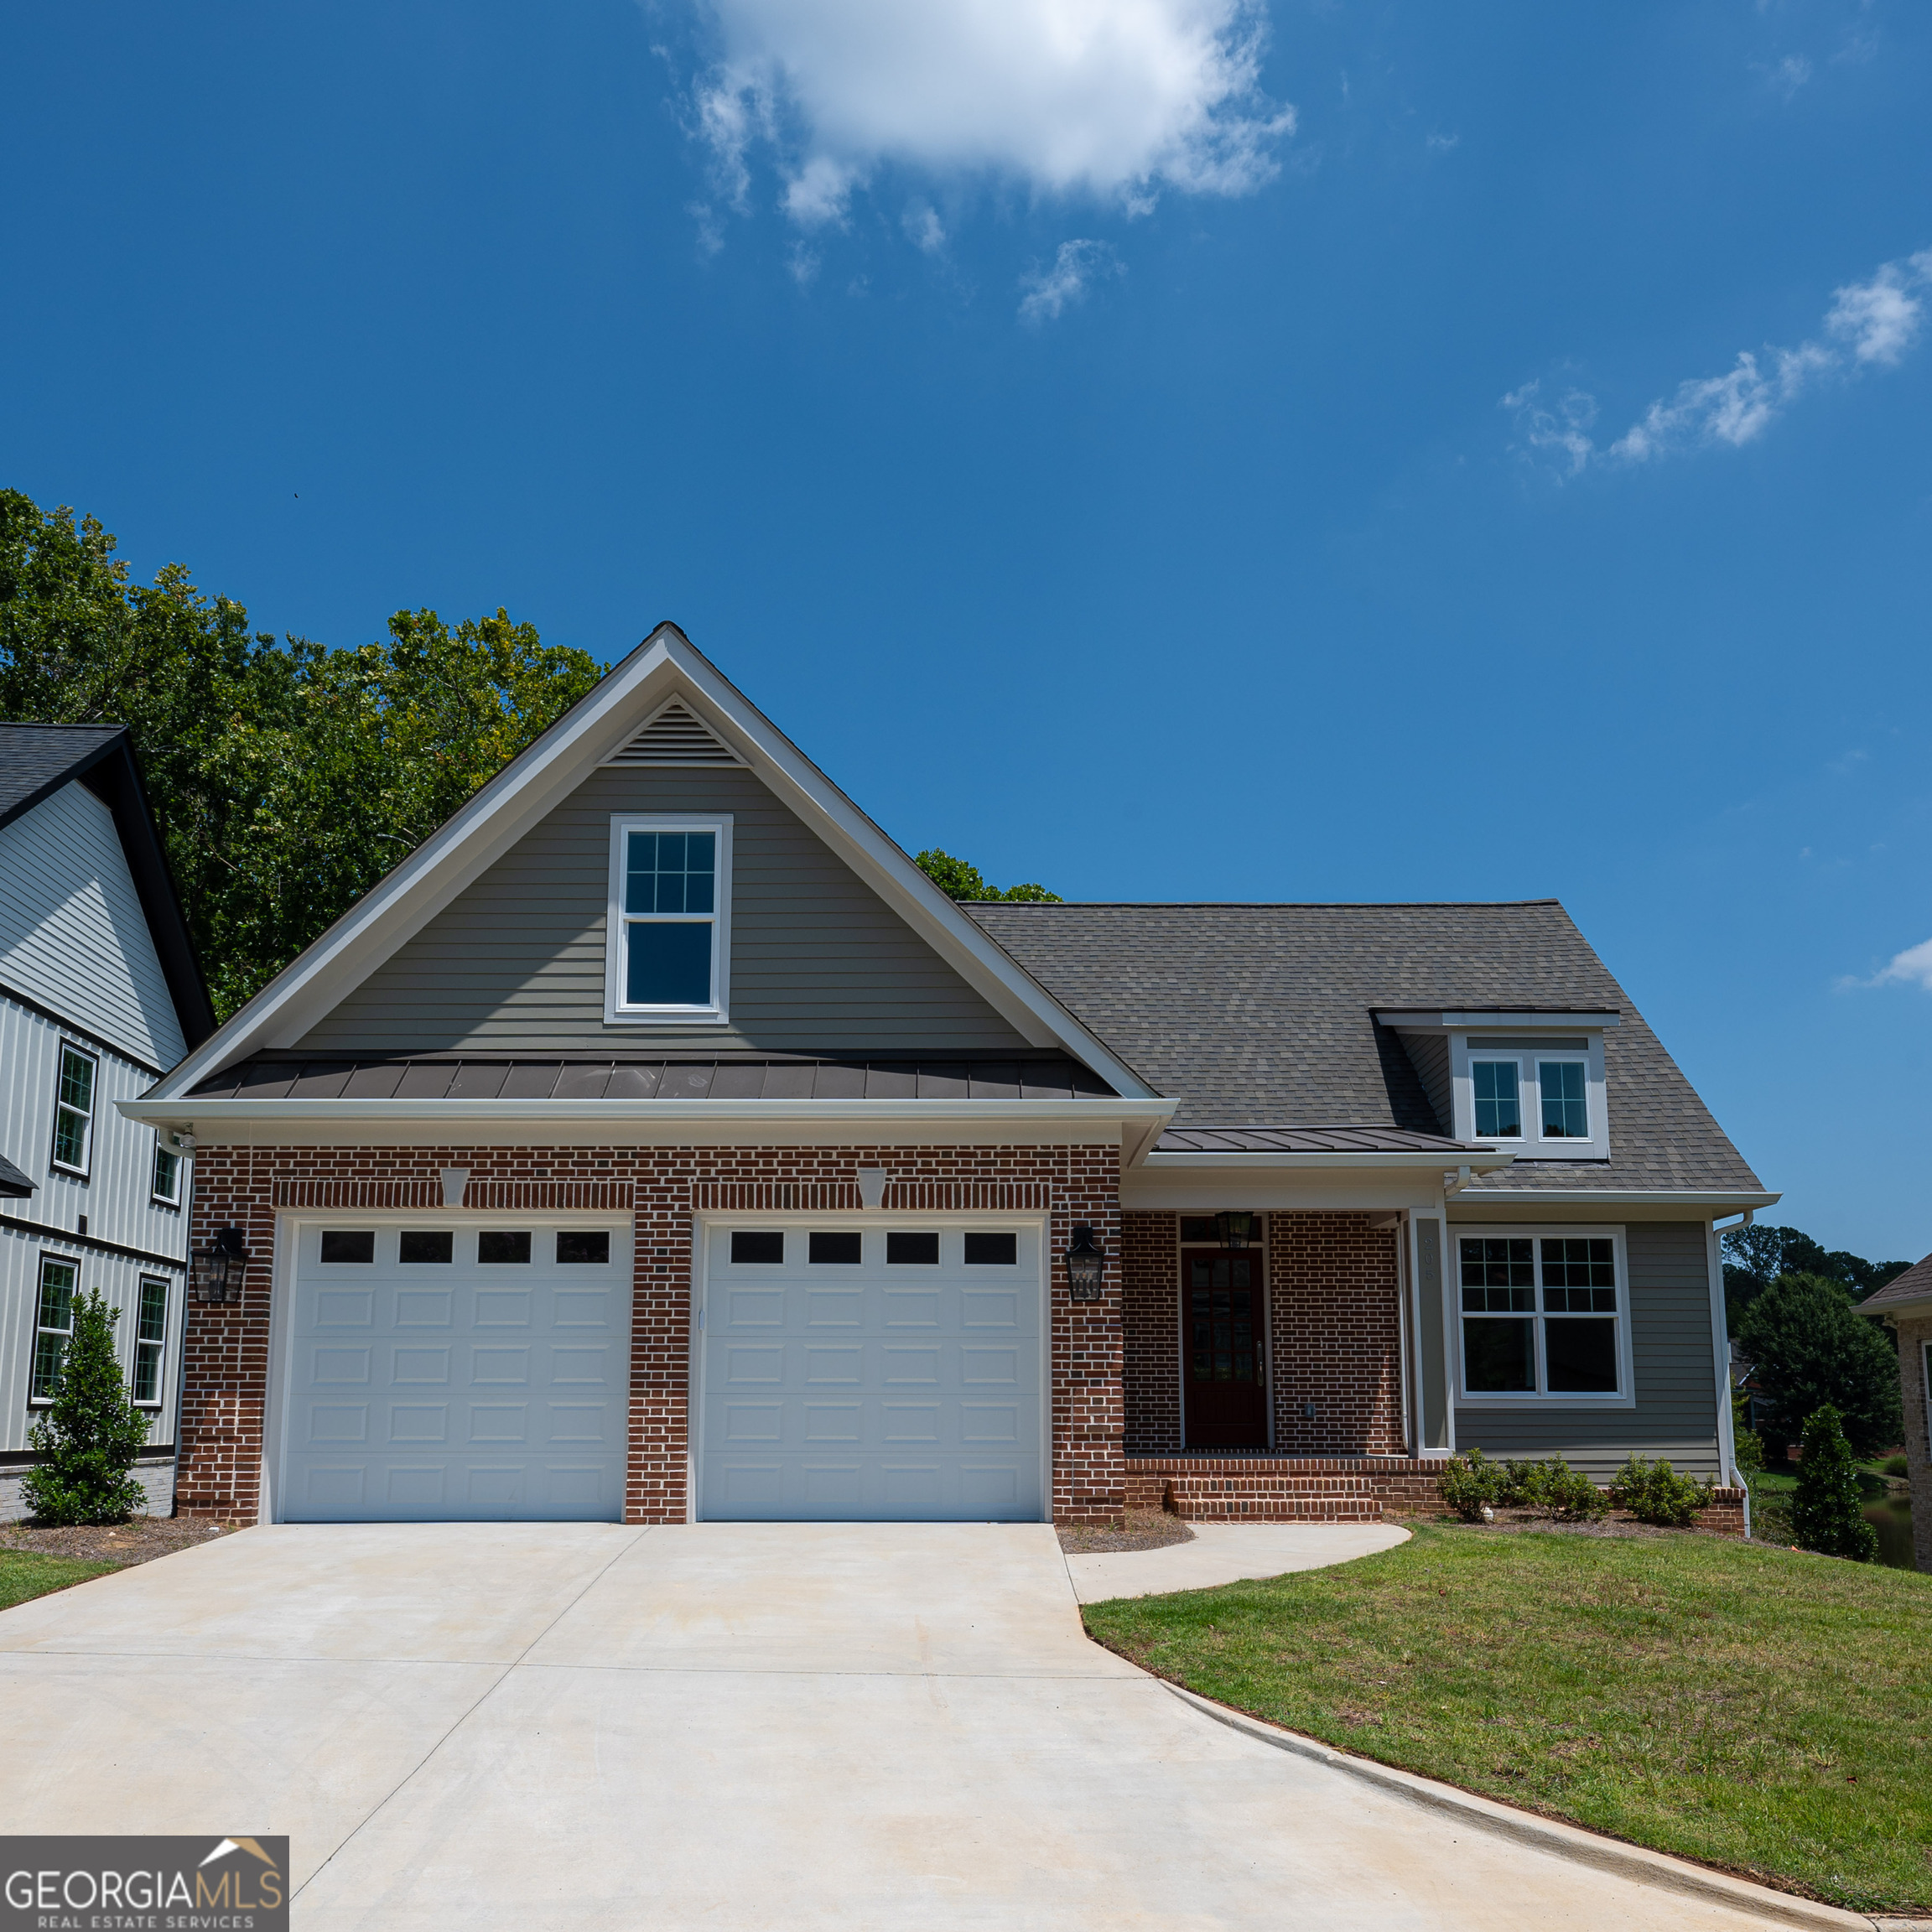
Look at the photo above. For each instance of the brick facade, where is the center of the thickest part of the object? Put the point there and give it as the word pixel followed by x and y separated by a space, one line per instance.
pixel 1914 1331
pixel 226 1356
pixel 1150 1329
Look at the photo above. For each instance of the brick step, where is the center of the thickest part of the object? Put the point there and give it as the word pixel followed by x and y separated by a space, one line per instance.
pixel 1270 1499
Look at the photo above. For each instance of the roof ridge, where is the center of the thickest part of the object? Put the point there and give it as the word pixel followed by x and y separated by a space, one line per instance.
pixel 1259 904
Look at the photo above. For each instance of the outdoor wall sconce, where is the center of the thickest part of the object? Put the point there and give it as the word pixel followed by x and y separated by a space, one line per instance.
pixel 215 1272
pixel 1235 1230
pixel 1084 1264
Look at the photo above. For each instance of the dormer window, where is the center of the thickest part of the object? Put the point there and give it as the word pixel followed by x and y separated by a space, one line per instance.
pixel 1498 1107
pixel 666 953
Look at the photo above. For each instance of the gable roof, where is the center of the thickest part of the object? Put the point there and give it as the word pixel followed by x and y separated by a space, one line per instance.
pixel 601 727
pixel 13 1184
pixel 36 761
pixel 1912 1288
pixel 1267 1013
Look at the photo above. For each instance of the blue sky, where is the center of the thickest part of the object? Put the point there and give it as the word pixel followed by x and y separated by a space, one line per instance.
pixel 1082 426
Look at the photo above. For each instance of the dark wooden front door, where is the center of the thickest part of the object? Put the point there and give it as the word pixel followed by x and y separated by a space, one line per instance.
pixel 1223 1375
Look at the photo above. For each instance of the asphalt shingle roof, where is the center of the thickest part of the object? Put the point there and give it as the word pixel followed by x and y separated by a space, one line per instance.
pixel 1266 1014
pixel 1914 1285
pixel 35 756
pixel 13 1184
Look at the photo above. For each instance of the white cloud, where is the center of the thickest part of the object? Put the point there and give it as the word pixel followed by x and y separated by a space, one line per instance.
pixel 1111 99
pixel 1049 291
pixel 1790 74
pixel 923 225
pixel 1870 324
pixel 1912 967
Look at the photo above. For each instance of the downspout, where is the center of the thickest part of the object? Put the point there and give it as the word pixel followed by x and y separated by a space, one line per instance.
pixel 1720 1339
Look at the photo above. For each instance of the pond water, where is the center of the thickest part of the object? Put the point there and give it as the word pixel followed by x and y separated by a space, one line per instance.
pixel 1892 1521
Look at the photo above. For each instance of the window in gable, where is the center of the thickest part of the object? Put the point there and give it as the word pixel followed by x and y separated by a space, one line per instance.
pixel 666 960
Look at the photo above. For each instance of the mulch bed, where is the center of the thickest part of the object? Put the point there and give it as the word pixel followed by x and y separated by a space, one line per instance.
pixel 1507 1519
pixel 1136 1529
pixel 137 1541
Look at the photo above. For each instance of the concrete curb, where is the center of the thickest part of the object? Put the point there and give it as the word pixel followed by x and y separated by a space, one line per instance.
pixel 1571 1842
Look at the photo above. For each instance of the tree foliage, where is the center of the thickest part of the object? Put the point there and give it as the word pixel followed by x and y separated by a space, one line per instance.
pixel 92 1433
pixel 957 879
pixel 1811 1350
pixel 1828 1510
pixel 1755 1256
pixel 286 777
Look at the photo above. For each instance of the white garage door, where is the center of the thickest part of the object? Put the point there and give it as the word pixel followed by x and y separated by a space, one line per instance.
pixel 875 1375
pixel 444 1372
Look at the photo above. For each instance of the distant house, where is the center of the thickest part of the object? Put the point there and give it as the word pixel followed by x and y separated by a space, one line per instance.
pixel 100 994
pixel 1905 1305
pixel 657 1142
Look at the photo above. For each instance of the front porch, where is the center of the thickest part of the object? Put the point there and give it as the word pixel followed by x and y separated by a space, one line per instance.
pixel 1207 1487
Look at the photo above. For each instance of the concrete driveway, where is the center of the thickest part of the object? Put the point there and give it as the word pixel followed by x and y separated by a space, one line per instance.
pixel 535 1725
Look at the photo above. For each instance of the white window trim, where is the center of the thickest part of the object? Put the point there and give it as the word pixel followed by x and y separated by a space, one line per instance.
pixel 1531 1143
pixel 716 1012
pixel 154 1192
pixel 1540 1398
pixel 35 1401
pixel 166 1288
pixel 85 1170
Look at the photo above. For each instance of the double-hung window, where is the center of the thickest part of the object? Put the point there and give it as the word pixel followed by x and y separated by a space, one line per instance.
pixel 74 1110
pixel 1543 1315
pixel 1544 1099
pixel 166 1184
pixel 667 958
pixel 53 1325
pixel 150 1341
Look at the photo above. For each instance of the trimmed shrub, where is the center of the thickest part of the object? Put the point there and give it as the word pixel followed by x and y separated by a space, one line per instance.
pixel 1654 1492
pixel 1554 1490
pixel 92 1433
pixel 1470 1483
pixel 1828 1510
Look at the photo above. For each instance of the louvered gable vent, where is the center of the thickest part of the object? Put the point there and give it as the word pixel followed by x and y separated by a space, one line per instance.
pixel 675 737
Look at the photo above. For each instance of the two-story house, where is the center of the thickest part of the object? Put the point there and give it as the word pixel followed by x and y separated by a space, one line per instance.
pixel 100 994
pixel 657 1142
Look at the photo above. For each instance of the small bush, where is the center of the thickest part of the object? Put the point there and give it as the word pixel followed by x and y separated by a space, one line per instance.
pixel 1469 1484
pixel 91 1434
pixel 1654 1492
pixel 1897 1466
pixel 1828 1510
pixel 1554 1490
pixel 1749 1448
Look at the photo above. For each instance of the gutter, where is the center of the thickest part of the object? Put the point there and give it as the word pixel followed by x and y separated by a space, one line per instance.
pixel 1722 1201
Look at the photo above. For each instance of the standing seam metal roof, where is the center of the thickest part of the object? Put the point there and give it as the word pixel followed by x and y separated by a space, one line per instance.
pixel 1265 1013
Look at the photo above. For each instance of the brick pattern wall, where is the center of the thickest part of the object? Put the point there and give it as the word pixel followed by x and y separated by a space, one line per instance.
pixel 226 1356
pixel 1914 1331
pixel 1336 1335
pixel 1150 1328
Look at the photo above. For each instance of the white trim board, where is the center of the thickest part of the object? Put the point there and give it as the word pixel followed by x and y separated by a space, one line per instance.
pixel 667 665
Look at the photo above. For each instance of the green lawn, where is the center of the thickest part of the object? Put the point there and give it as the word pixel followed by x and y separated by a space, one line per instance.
pixel 24 1573
pixel 1767 1712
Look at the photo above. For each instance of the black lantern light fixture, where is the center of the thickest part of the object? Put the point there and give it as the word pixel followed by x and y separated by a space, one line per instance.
pixel 1235 1230
pixel 1085 1261
pixel 215 1272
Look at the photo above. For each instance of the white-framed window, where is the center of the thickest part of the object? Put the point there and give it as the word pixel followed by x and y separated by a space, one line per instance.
pixel 668 957
pixel 1543 1315
pixel 150 1341
pixel 74 1110
pixel 53 1324
pixel 1544 1098
pixel 166 1185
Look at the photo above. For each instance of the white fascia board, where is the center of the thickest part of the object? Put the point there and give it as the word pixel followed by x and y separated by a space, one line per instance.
pixel 1481 1161
pixel 539 778
pixel 1590 1019
pixel 1721 1200
pixel 1012 992
pixel 470 1123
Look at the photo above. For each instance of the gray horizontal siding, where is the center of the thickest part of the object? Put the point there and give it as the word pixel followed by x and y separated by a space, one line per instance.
pixel 1676 1410
pixel 516 963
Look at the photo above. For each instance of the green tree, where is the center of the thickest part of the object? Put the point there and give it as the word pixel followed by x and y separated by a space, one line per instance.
pixel 1755 1256
pixel 1812 1349
pixel 957 879
pixel 1828 1510
pixel 287 778
pixel 90 1433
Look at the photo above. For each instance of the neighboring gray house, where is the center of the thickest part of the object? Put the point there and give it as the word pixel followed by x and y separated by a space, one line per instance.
pixel 656 1141
pixel 100 994
pixel 1905 1304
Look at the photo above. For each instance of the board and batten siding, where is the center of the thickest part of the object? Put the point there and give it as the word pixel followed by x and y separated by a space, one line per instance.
pixel 116 1198
pixel 73 937
pixel 515 962
pixel 1675 1414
